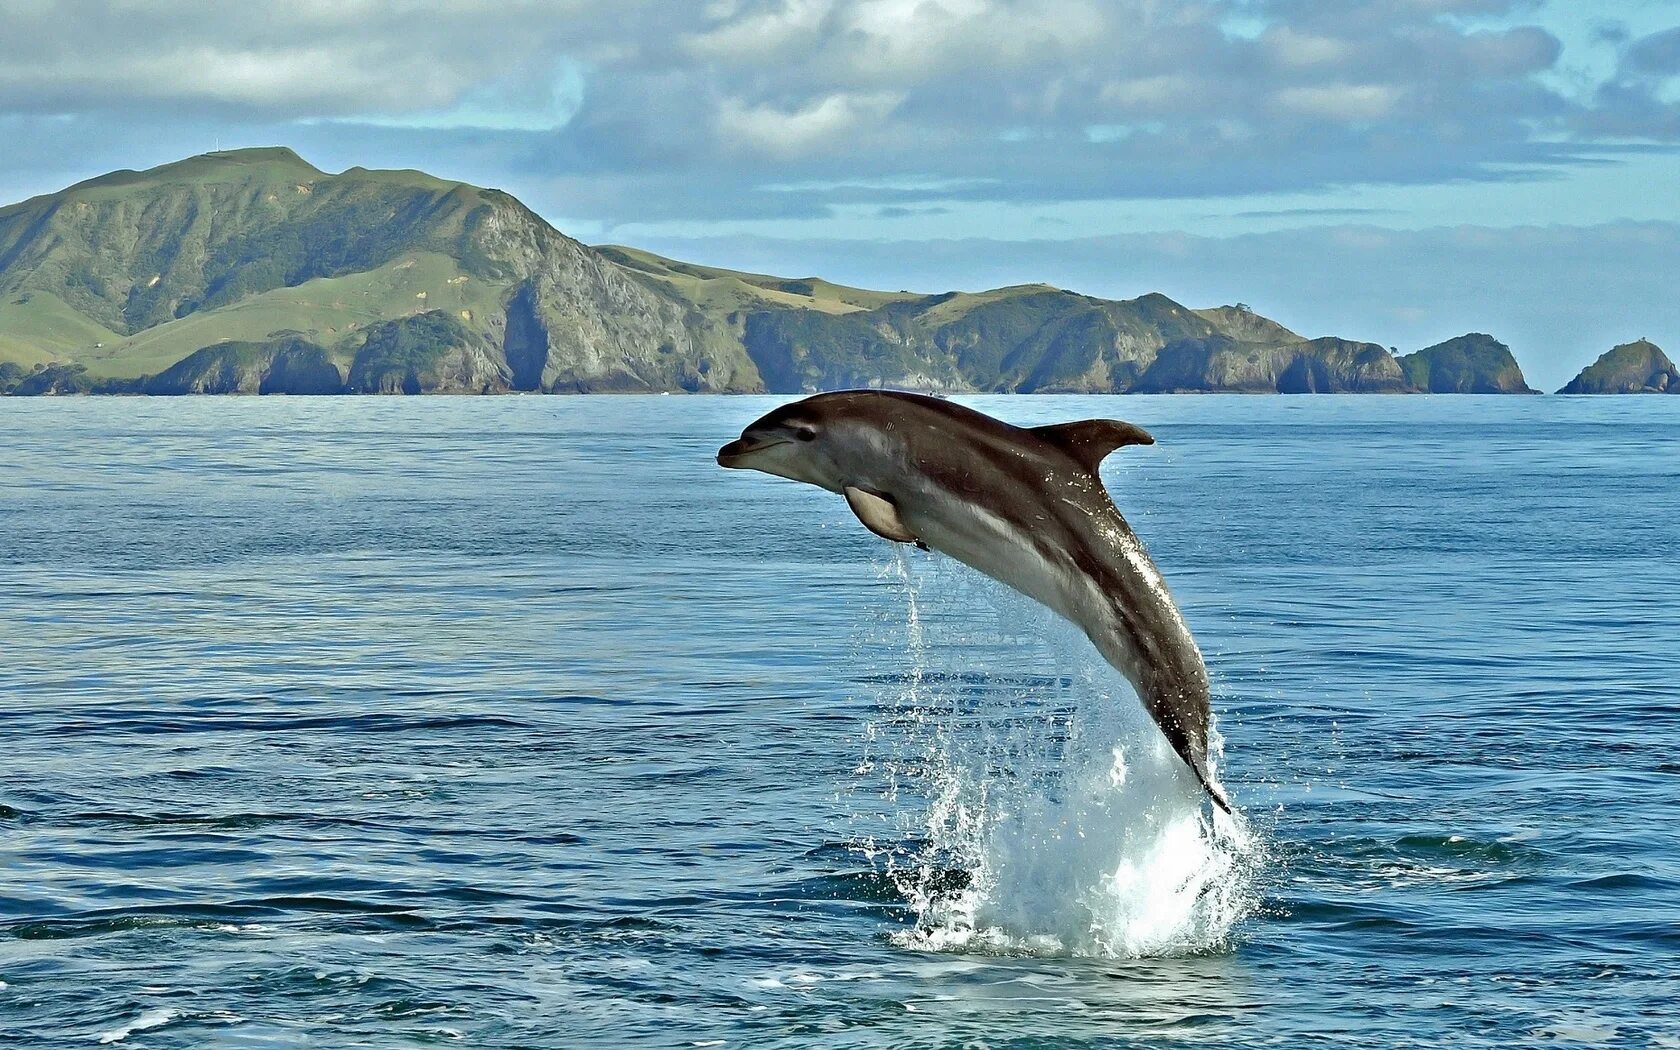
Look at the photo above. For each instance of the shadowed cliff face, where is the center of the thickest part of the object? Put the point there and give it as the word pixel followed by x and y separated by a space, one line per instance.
pixel 1638 367
pixel 526 344
pixel 302 370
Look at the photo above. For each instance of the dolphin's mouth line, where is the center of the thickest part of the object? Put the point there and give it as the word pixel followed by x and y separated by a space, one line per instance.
pixel 739 449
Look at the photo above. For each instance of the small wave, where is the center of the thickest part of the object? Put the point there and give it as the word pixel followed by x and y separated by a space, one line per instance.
pixel 808 979
pixel 227 821
pixel 1336 915
pixel 148 1019
pixel 115 722
pixel 1464 846
pixel 874 886
pixel 242 913
pixel 1626 880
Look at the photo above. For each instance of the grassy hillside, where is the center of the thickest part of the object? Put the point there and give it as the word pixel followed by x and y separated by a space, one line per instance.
pixel 328 310
pixel 810 335
pixel 717 289
pixel 133 272
pixel 1241 323
pixel 1037 339
pixel 37 327
pixel 131 251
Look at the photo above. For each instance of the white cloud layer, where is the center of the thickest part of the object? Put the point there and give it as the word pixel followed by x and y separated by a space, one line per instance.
pixel 687 107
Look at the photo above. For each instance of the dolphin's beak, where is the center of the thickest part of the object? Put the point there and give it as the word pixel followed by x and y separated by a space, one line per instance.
pixel 736 452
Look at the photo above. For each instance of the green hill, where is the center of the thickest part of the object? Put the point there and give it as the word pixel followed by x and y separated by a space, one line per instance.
pixel 252 271
pixel 131 273
pixel 1639 367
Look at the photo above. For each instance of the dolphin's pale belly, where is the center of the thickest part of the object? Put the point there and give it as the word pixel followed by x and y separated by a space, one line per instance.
pixel 1044 572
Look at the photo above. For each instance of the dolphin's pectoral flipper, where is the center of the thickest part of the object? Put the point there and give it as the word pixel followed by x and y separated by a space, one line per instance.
pixel 1089 440
pixel 879 516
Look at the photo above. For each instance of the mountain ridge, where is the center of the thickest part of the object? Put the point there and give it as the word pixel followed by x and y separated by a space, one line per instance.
pixel 253 271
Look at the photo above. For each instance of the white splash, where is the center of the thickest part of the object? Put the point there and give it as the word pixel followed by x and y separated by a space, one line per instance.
pixel 1046 784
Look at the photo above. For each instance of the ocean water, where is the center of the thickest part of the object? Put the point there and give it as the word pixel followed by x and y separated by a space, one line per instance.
pixel 516 722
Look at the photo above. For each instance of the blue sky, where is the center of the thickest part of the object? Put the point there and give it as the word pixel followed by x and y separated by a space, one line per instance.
pixel 1399 171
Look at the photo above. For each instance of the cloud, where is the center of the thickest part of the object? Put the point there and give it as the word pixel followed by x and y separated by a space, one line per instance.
pixel 1342 102
pixel 894 211
pixel 1301 50
pixel 1656 55
pixel 302 59
pixel 817 126
pixel 649 109
pixel 1273 213
pixel 1642 100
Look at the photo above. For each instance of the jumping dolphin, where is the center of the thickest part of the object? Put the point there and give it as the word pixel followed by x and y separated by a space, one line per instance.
pixel 1022 505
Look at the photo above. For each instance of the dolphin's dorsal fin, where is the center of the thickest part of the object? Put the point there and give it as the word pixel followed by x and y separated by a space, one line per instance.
pixel 1089 440
pixel 879 515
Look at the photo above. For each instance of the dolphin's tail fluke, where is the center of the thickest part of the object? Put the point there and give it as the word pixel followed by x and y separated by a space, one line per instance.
pixel 1192 751
pixel 1198 766
pixel 1215 793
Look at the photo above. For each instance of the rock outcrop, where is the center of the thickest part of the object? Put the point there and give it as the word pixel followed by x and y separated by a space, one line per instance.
pixel 1310 366
pixel 285 365
pixel 428 353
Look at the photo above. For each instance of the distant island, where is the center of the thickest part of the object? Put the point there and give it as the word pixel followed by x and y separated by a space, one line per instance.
pixel 253 272
pixel 1639 367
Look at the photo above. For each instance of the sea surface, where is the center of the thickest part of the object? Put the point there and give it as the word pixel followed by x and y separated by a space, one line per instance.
pixel 516 722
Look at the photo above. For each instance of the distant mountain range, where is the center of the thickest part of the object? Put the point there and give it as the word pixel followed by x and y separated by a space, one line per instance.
pixel 252 271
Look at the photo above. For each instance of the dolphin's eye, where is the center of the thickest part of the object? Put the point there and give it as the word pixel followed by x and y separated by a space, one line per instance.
pixel 805 434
